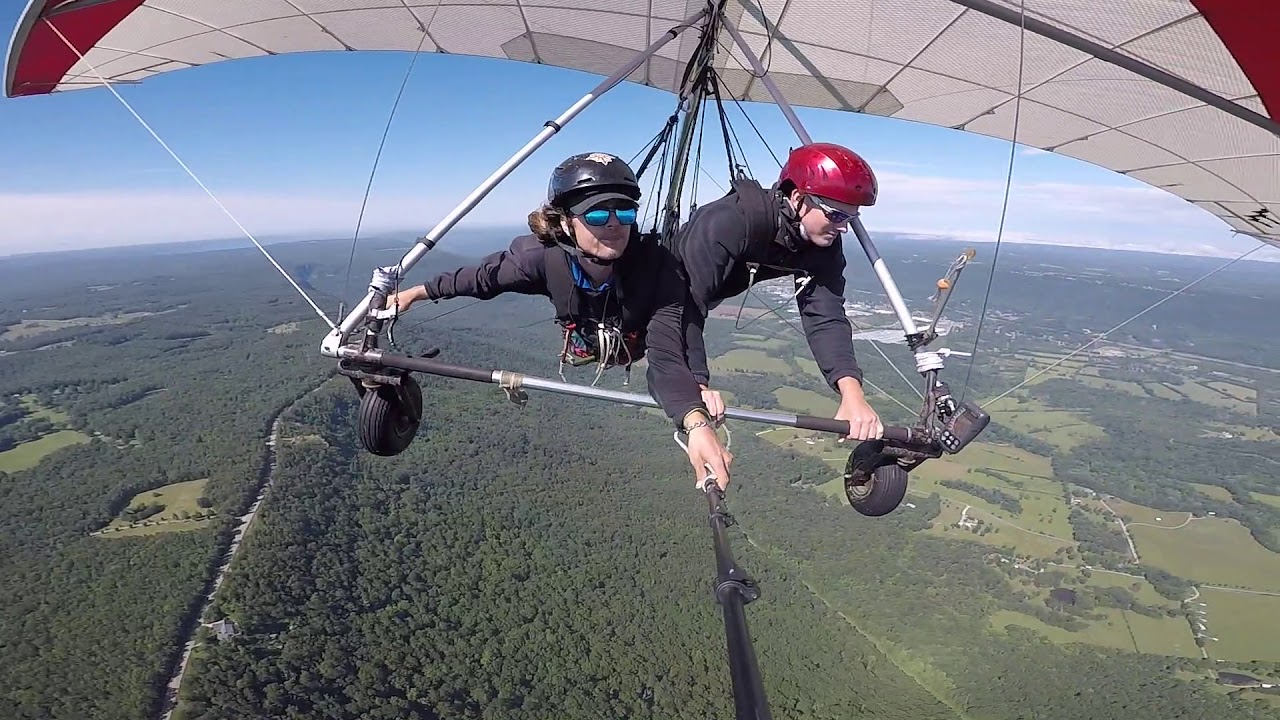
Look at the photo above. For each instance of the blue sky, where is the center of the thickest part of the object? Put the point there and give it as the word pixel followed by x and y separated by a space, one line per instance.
pixel 287 144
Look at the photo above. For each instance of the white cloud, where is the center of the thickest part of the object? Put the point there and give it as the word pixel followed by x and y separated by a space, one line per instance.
pixel 1057 213
pixel 881 162
pixel 1060 213
pixel 42 222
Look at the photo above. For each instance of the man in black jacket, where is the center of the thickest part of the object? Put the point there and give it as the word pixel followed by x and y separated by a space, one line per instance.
pixel 794 228
pixel 617 297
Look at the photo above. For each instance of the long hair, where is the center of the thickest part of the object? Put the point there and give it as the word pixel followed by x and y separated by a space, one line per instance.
pixel 550 225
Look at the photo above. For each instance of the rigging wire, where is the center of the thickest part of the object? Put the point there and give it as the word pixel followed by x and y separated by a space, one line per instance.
pixel 184 166
pixel 651 147
pixel 760 135
pixel 697 160
pixel 424 321
pixel 730 132
pixel 1004 205
pixel 743 110
pixel 346 280
pixel 877 388
pixel 1153 306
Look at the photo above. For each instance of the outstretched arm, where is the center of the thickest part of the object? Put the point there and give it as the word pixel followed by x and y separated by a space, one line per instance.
pixel 696 346
pixel 830 336
pixel 826 327
pixel 671 382
pixel 708 245
pixel 517 269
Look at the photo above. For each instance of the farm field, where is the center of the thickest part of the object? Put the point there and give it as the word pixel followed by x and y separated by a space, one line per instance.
pixel 172 508
pixel 28 454
pixel 1009 499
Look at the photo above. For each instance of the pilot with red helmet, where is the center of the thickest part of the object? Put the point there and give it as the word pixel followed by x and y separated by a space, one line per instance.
pixel 794 228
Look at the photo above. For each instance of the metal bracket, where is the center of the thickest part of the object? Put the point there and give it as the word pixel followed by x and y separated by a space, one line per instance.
pixel 511 384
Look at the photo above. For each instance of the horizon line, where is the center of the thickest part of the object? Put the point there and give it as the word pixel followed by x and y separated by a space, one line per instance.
pixel 310 237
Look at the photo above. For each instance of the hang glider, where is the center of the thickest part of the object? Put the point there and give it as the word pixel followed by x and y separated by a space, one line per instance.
pixel 1180 94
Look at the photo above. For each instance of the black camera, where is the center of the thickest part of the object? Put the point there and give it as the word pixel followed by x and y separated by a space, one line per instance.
pixel 964 424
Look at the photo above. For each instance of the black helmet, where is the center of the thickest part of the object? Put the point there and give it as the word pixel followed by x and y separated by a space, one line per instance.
pixel 598 176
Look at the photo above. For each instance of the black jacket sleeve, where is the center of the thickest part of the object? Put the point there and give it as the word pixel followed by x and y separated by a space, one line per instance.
pixel 708 244
pixel 696 345
pixel 671 382
pixel 822 314
pixel 517 269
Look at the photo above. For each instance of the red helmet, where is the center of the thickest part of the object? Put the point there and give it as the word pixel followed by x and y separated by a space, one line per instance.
pixel 832 172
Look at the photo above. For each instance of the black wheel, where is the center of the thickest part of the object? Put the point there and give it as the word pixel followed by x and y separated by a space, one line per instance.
pixel 874 483
pixel 390 415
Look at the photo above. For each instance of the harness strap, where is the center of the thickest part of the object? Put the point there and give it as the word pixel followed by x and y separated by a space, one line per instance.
pixel 560 284
pixel 759 212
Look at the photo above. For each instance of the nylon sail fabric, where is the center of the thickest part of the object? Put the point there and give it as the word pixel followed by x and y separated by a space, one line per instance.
pixel 931 61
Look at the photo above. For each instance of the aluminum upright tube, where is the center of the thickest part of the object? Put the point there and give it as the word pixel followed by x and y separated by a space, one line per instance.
pixel 886 280
pixel 764 78
pixel 873 255
pixel 357 314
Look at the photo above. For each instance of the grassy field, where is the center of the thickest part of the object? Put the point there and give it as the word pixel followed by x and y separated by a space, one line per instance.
pixel 1243 394
pixel 1086 369
pixel 1219 398
pixel 767 344
pixel 808 366
pixel 1216 492
pixel 1208 550
pixel 29 454
pixel 1244 624
pixel 750 360
pixel 1089 376
pixel 28 328
pixel 1142 515
pixel 1195 550
pixel 53 415
pixel 807 401
pixel 1111 633
pixel 180 501
pixel 1064 429
pixel 1023 475
pixel 1121 629
pixel 1040 530
pixel 1163 392
pixel 1141 589
pixel 1257 434
pixel 155 528
pixel 1001 535
pixel 1214 551
pixel 1272 500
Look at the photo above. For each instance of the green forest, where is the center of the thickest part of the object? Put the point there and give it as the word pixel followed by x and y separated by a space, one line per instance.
pixel 553 560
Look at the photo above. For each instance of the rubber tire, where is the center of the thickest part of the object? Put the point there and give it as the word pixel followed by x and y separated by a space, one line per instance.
pixel 888 488
pixel 386 426
pixel 884 492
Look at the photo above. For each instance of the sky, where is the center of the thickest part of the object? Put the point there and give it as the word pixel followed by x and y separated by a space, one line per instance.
pixel 287 145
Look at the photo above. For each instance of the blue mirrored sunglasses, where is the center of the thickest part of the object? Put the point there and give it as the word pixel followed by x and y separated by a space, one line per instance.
pixel 837 217
pixel 600 216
